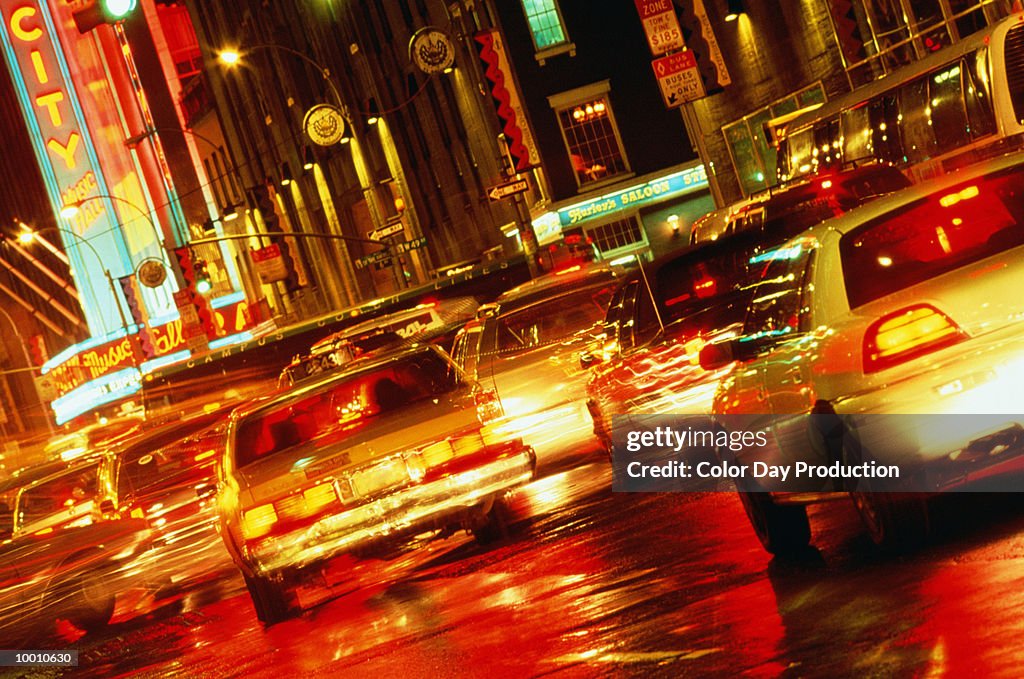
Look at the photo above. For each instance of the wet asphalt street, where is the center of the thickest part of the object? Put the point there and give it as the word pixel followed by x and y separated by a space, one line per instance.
pixel 593 583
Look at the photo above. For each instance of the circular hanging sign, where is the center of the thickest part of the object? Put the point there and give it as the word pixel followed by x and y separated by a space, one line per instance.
pixel 151 272
pixel 324 124
pixel 431 50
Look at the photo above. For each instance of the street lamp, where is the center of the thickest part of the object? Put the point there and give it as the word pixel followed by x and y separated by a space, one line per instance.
pixel 155 271
pixel 29 236
pixel 325 124
pixel 230 57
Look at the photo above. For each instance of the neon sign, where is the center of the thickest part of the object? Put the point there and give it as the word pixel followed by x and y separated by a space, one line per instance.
pixel 657 189
pixel 34 36
pixel 94 361
pixel 49 107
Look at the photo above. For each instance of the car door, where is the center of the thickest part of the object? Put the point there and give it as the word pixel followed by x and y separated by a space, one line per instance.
pixel 779 321
pixel 603 359
pixel 615 384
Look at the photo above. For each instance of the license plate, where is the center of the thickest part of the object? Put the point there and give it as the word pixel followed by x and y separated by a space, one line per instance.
pixel 379 477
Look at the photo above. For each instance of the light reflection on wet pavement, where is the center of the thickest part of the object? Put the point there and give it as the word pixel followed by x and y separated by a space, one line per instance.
pixel 598 584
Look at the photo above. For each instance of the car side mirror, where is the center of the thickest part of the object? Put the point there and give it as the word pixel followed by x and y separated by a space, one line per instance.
pixel 206 491
pixel 717 355
pixel 107 507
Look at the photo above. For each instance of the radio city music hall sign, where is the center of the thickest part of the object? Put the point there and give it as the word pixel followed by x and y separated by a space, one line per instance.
pixel 41 77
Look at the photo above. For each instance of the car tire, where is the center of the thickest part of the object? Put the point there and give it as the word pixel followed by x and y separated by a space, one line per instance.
pixel 896 522
pixel 604 439
pixel 782 529
pixel 270 599
pixel 91 601
pixel 495 525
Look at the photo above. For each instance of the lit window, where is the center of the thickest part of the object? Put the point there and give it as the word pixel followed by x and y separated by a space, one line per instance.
pixel 591 137
pixel 546 25
pixel 616 235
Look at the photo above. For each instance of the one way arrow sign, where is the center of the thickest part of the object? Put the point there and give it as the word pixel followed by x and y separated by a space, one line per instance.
pixel 508 189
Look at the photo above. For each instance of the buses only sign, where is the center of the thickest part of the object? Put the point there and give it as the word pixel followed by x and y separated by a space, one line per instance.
pixel 678 78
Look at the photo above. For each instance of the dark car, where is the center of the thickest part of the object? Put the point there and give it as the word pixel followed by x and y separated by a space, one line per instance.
pixel 67 549
pixel 794 207
pixel 661 317
pixel 162 475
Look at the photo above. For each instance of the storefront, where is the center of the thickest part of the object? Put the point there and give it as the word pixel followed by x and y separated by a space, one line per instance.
pixel 650 215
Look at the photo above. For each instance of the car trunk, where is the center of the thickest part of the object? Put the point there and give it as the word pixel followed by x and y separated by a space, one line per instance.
pixel 384 434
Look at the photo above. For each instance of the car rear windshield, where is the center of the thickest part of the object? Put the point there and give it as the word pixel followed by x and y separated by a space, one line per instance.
pixel 795 210
pixel 706 277
pixel 943 232
pixel 60 500
pixel 554 320
pixel 341 408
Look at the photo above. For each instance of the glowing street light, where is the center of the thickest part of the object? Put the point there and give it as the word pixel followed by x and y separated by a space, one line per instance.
pixel 151 271
pixel 229 57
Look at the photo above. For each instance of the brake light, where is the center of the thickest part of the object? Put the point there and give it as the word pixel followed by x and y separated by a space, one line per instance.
pixel 705 288
pixel 437 453
pixel 258 521
pixel 704 284
pixel 467 445
pixel 320 497
pixel 906 334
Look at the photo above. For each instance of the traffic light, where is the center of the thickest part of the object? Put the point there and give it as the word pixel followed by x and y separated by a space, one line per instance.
pixel 203 284
pixel 37 350
pixel 264 202
pixel 103 12
pixel 189 269
pixel 137 308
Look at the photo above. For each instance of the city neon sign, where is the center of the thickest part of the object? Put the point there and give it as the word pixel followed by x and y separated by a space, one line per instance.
pixel 49 105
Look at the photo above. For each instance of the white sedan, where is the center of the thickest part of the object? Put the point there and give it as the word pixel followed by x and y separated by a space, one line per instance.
pixel 889 337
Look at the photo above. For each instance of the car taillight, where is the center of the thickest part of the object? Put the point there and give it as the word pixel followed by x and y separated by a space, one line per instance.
pixel 906 334
pixel 437 453
pixel 704 284
pixel 320 496
pixel 258 521
pixel 467 445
